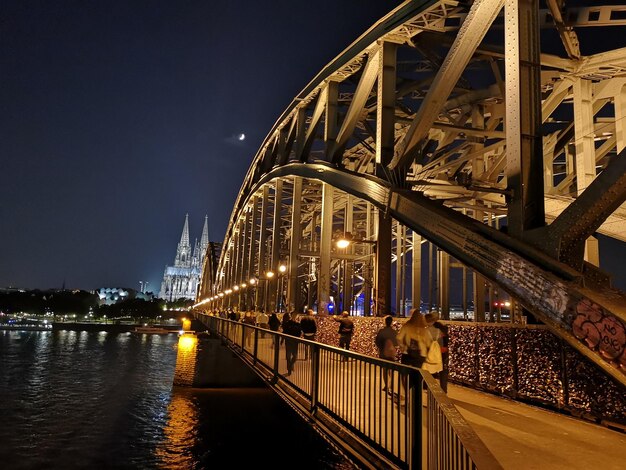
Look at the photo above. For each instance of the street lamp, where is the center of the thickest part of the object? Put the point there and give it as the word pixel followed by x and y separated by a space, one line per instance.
pixel 255 299
pixel 240 307
pixel 268 276
pixel 344 241
pixel 280 287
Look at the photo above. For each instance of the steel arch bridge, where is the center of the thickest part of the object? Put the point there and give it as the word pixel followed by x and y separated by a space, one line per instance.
pixel 478 127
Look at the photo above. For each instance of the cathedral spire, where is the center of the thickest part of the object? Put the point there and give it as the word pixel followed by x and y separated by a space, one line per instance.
pixel 183 252
pixel 184 238
pixel 204 241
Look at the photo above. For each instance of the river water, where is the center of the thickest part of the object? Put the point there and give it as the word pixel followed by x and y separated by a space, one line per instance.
pixel 74 400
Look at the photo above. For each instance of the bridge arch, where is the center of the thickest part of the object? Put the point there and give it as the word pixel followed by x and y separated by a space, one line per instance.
pixel 412 127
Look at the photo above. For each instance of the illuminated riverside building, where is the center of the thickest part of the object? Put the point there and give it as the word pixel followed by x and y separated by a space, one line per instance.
pixel 181 280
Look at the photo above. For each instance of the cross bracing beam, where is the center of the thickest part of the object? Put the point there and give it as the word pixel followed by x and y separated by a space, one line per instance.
pixel 565 236
pixel 471 34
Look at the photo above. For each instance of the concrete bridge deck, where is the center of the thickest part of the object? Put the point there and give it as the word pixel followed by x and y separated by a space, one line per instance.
pixel 527 437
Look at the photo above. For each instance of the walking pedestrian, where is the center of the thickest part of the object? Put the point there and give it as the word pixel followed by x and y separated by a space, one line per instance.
pixel 248 321
pixel 292 328
pixel 386 342
pixel 262 320
pixel 346 330
pixel 273 322
pixel 439 332
pixel 414 341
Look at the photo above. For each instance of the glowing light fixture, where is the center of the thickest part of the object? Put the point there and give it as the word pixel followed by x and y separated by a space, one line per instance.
pixel 269 274
pixel 344 241
pixel 282 268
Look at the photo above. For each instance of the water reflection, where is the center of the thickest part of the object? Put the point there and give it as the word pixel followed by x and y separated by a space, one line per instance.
pixel 102 400
pixel 179 434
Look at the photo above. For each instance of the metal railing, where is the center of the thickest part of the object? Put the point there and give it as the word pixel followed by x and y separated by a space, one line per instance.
pixel 373 406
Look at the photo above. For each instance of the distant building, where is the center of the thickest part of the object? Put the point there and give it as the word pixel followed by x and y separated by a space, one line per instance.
pixel 181 280
pixel 113 295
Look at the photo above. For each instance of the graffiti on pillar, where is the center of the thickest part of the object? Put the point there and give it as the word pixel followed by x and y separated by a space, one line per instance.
pixel 600 332
pixel 540 291
pixel 588 321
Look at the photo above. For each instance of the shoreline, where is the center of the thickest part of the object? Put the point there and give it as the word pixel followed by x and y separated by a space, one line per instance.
pixel 76 326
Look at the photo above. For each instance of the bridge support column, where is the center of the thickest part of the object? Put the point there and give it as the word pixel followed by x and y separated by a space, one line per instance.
pixel 348 269
pixel 585 151
pixel 293 287
pixel 323 279
pixel 524 169
pixel 252 250
pixel 262 285
pixel 276 240
pixel 244 275
pixel 382 274
pixel 478 168
pixel 400 245
pixel 443 279
pixel 416 271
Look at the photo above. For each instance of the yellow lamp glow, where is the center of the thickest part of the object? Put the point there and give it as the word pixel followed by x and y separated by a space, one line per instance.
pixel 187 342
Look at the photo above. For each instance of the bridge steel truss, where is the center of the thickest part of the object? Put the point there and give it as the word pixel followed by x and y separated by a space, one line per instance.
pixel 427 129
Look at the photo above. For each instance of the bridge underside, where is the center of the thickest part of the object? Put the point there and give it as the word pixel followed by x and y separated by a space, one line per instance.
pixel 436 150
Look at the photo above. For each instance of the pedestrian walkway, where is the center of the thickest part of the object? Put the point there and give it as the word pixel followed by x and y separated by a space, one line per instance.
pixel 526 437
pixel 349 393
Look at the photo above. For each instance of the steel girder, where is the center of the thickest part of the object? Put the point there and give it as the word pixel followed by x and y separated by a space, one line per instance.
pixel 591 319
pixel 370 102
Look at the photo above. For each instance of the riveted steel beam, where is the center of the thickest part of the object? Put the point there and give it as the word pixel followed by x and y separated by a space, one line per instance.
pixel 524 165
pixel 565 237
pixel 549 289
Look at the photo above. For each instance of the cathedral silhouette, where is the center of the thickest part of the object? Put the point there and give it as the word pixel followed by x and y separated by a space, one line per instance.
pixel 181 280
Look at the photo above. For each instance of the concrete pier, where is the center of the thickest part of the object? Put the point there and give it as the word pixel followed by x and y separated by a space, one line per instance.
pixel 203 361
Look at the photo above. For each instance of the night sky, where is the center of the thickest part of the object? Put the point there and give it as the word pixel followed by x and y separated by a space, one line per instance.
pixel 117 118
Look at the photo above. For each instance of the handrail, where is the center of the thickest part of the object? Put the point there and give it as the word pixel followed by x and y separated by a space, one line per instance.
pixel 371 406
